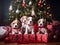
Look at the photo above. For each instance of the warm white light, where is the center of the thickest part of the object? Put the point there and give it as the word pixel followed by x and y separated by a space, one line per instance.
pixel 10 8
pixel 33 12
pixel 30 2
pixel 17 11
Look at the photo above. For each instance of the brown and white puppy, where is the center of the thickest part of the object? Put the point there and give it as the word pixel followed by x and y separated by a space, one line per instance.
pixel 29 26
pixel 23 19
pixel 15 26
pixel 41 26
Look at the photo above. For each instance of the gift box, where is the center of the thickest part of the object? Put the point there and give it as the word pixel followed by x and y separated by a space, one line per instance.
pixel 50 27
pixel 25 38
pixel 6 39
pixel 38 38
pixel 32 38
pixel 13 38
pixel 44 37
pixel 19 38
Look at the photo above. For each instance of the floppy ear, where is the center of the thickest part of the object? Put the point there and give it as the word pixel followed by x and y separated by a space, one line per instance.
pixel 21 19
pixel 38 21
pixel 11 24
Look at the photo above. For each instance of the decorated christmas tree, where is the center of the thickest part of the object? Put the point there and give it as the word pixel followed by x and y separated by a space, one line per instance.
pixel 31 22
pixel 35 8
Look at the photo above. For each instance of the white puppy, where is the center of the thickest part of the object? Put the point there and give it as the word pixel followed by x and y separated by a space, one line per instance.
pixel 15 26
pixel 41 24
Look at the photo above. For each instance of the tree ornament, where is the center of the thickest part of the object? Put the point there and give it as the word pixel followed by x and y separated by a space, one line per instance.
pixel 54 36
pixel 45 12
pixel 23 4
pixel 39 3
pixel 17 11
pixel 12 16
pixel 17 0
pixel 9 19
pixel 32 12
pixel 10 8
pixel 50 15
pixel 30 2
pixel 48 7
pixel 44 3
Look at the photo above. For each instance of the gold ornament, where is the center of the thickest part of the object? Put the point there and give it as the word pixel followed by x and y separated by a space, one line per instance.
pixel 50 15
pixel 48 7
pixel 12 16
pixel 44 3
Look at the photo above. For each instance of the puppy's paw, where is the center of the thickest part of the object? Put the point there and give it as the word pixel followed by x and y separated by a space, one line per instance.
pixel 20 33
pixel 37 33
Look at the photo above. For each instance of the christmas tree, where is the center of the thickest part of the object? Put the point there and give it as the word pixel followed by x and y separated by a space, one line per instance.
pixel 35 8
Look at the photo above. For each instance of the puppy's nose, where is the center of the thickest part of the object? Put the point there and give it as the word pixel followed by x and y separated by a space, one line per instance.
pixel 30 21
pixel 40 24
pixel 16 26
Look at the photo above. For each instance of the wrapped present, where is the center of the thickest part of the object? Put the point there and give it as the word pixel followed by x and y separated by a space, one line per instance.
pixel 44 37
pixel 26 38
pixel 19 38
pixel 50 27
pixel 38 37
pixel 13 37
pixel 35 27
pixel 32 38
pixel 7 39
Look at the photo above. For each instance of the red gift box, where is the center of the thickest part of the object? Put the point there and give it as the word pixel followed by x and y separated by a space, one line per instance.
pixel 20 38
pixel 7 39
pixel 26 38
pixel 44 37
pixel 32 38
pixel 13 37
pixel 38 37
pixel 50 27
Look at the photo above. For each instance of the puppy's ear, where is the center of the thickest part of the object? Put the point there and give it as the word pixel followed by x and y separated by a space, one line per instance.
pixel 11 24
pixel 21 19
pixel 38 21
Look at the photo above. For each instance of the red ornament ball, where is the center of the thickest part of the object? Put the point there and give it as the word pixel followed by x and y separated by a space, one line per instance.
pixel 23 5
pixel 39 4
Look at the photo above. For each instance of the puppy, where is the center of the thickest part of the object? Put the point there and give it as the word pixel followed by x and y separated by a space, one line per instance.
pixel 23 19
pixel 15 26
pixel 29 26
pixel 41 24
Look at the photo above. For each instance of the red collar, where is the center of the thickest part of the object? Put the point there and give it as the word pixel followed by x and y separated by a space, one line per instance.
pixel 40 26
pixel 15 28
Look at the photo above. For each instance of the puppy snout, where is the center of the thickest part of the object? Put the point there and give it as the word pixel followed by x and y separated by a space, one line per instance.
pixel 16 25
pixel 30 21
pixel 40 24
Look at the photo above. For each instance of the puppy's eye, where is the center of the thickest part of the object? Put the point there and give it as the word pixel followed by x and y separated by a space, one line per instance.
pixel 43 22
pixel 39 21
pixel 28 19
pixel 13 23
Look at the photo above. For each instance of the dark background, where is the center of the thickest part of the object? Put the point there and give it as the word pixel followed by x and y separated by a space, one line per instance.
pixel 4 5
